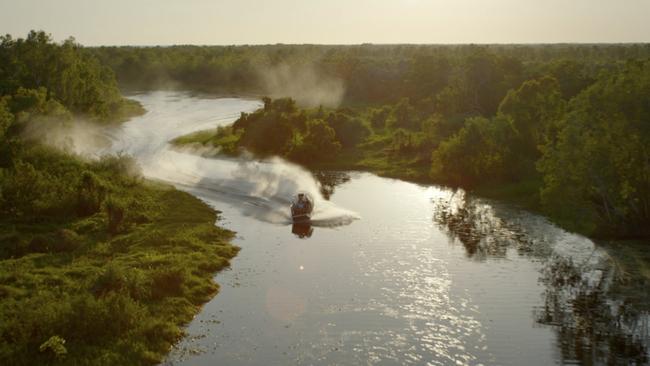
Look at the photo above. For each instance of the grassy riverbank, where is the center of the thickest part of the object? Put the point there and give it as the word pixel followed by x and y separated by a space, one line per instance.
pixel 112 287
pixel 97 265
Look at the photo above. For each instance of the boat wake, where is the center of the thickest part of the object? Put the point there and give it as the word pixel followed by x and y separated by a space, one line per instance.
pixel 260 189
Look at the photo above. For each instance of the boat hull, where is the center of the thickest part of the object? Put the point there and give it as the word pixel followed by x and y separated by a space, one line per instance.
pixel 301 217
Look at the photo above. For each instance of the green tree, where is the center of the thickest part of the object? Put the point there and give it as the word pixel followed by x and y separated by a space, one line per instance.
pixel 6 120
pixel 534 110
pixel 67 73
pixel 572 75
pixel 404 116
pixel 596 174
pixel 349 130
pixel 378 117
pixel 319 143
pixel 478 153
pixel 427 75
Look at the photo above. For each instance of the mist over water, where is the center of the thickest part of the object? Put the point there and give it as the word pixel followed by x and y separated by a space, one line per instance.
pixel 262 189
pixel 304 84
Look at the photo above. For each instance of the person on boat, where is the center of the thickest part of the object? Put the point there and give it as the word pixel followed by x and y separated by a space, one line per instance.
pixel 302 202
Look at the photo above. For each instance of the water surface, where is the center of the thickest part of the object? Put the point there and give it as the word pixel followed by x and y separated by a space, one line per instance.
pixel 393 273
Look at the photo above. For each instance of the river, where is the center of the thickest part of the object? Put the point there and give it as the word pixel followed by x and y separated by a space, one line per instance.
pixel 391 272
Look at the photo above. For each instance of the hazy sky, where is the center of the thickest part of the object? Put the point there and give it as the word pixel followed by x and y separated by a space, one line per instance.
pixel 164 22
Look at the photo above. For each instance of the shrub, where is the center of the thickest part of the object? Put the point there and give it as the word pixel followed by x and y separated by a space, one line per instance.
pixel 39 244
pixel 378 118
pixel 110 279
pixel 319 144
pixel 21 189
pixel 167 282
pixel 13 245
pixel 404 116
pixel 349 130
pixel 90 194
pixel 121 167
pixel 38 189
pixel 479 152
pixel 115 210
pixel 119 279
pixel 96 319
pixel 160 334
pixel 55 346
pixel 66 240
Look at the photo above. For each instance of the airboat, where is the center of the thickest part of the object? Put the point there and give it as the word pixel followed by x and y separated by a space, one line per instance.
pixel 302 206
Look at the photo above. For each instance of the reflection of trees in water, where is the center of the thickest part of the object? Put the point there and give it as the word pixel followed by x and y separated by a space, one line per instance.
pixel 478 228
pixel 593 326
pixel 329 180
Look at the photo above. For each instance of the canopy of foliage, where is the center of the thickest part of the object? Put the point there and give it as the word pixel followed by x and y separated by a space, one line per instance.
pixel 568 130
pixel 67 72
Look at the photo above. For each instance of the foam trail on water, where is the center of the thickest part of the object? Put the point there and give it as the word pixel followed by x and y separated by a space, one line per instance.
pixel 262 189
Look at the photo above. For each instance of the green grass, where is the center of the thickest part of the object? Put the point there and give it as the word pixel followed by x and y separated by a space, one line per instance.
pixel 524 193
pixel 218 140
pixel 126 109
pixel 378 162
pixel 85 296
pixel 370 156
pixel 200 137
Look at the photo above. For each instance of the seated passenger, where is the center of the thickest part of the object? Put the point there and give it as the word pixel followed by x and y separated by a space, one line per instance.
pixel 302 202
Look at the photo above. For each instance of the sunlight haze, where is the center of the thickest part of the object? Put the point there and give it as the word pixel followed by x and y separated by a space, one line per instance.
pixel 151 22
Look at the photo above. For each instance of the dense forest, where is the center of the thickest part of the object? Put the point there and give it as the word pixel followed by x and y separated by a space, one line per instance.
pixel 560 128
pixel 96 263
pixel 369 73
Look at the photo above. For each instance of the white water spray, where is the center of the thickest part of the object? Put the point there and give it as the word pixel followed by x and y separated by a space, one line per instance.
pixel 262 189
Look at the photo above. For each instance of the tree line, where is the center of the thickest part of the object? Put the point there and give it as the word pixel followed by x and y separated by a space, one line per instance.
pixel 371 73
pixel 565 125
